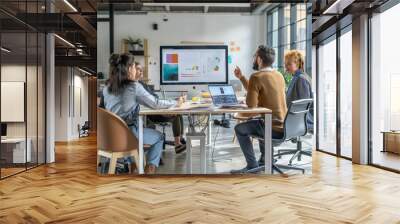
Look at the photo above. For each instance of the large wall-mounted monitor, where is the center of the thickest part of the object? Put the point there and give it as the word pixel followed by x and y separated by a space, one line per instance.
pixel 193 65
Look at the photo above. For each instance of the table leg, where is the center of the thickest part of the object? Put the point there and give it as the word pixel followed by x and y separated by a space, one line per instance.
pixel 209 138
pixel 188 155
pixel 141 151
pixel 203 156
pixel 268 144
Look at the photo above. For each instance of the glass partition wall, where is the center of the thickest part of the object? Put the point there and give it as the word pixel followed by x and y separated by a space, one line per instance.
pixel 334 91
pixel 22 77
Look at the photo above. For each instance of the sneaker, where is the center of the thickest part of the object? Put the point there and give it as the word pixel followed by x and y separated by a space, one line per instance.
pixel 242 171
pixel 180 148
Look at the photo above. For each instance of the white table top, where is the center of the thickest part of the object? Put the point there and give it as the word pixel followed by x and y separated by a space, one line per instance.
pixel 203 109
pixel 13 140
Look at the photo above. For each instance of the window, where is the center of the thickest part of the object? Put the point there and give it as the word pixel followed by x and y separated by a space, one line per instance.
pixel 273 33
pixel 290 32
pixel 385 88
pixel 346 93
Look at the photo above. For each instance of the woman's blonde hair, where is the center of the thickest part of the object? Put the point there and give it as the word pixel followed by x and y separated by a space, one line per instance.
pixel 296 57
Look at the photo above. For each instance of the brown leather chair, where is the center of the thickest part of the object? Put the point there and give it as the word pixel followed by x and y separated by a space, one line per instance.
pixel 114 139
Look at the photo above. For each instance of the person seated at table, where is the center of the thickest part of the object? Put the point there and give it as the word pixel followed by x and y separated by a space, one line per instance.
pixel 265 88
pixel 299 87
pixel 122 96
pixel 177 121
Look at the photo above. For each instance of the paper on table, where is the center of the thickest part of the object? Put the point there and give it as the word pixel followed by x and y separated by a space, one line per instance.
pixel 190 105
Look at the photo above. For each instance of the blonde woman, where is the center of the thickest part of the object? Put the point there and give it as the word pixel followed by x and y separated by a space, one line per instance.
pixel 299 87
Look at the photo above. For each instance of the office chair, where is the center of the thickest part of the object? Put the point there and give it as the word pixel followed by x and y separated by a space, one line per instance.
pixel 294 126
pixel 298 152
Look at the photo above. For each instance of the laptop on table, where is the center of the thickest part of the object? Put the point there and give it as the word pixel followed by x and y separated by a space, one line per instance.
pixel 224 96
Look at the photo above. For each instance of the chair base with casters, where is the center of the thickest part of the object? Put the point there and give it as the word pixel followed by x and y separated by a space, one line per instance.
pixel 276 167
pixel 297 153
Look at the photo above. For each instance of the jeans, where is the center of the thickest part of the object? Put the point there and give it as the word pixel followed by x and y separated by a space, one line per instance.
pixel 155 140
pixel 252 128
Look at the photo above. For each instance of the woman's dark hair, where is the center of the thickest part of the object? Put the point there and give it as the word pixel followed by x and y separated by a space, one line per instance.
pixel 266 54
pixel 119 72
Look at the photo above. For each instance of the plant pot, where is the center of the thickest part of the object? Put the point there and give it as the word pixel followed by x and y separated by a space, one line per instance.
pixel 135 47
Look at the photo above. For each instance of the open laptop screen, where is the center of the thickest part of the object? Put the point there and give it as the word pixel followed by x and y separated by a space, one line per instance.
pixel 222 94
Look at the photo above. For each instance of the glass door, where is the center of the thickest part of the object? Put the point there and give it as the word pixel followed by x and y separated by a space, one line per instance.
pixel 326 90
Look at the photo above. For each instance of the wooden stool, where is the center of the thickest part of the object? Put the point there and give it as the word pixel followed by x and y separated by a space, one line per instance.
pixel 203 157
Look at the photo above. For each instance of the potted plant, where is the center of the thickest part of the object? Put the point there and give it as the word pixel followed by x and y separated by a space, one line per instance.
pixel 134 44
pixel 286 76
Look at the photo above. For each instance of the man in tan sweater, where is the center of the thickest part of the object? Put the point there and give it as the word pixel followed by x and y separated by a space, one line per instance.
pixel 266 88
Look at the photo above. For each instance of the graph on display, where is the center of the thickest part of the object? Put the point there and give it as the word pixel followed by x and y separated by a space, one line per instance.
pixel 193 64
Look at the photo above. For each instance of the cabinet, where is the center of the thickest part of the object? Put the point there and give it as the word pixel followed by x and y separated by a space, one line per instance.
pixel 391 142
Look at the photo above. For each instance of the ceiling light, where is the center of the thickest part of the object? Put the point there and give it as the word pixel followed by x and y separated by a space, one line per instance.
pixel 84 71
pixel 65 41
pixel 70 5
pixel 5 50
pixel 337 7
pixel 197 4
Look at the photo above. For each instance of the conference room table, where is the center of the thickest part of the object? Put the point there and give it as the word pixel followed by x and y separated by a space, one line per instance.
pixel 189 109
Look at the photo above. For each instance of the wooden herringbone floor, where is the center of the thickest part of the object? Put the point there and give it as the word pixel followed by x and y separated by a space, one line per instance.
pixel 70 191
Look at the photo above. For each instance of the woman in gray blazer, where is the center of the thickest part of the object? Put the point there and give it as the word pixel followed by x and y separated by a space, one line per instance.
pixel 299 87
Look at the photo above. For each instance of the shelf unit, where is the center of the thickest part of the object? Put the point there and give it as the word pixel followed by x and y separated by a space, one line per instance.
pixel 141 53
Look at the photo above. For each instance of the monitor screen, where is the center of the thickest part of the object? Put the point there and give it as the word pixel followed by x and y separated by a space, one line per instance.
pixel 193 65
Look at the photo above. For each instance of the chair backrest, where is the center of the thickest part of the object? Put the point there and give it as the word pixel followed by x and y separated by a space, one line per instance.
pixel 113 134
pixel 295 123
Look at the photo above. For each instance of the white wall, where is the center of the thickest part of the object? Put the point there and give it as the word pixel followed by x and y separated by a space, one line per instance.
pixel 70 83
pixel 247 31
pixel 103 46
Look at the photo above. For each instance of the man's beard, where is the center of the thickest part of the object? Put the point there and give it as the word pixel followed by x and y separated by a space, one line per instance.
pixel 255 66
